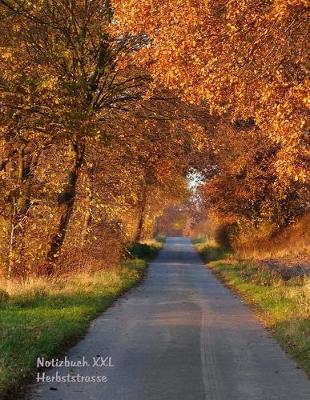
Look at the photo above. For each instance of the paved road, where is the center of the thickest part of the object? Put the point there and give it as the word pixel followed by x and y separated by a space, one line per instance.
pixel 180 335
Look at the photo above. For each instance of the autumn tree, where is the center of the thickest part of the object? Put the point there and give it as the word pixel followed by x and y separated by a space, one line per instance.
pixel 69 77
pixel 82 146
pixel 245 59
pixel 247 64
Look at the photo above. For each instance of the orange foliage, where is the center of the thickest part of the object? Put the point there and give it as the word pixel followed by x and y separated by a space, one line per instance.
pixel 242 58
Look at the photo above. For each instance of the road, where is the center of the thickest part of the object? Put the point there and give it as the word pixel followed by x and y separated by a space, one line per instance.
pixel 180 335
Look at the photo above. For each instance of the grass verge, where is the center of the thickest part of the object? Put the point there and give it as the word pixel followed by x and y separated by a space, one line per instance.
pixel 42 318
pixel 147 250
pixel 283 306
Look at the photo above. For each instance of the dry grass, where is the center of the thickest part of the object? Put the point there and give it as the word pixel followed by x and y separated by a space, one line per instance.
pixel 294 241
pixel 64 284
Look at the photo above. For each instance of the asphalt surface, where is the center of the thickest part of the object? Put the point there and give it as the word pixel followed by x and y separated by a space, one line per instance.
pixel 180 335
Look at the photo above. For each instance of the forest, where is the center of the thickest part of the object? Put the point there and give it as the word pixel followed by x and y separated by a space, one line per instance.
pixel 122 121
pixel 106 112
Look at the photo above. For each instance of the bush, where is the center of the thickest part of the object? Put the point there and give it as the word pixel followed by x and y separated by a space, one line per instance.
pixel 161 239
pixel 4 296
pixel 142 250
pixel 266 241
pixel 224 233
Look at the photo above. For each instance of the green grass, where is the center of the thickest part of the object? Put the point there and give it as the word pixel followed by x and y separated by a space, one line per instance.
pixel 41 318
pixel 283 306
pixel 211 253
pixel 146 251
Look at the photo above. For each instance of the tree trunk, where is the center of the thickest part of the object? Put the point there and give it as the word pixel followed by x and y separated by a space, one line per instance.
pixel 89 211
pixel 66 200
pixel 155 227
pixel 12 240
pixel 141 216
pixel 20 200
pixel 26 167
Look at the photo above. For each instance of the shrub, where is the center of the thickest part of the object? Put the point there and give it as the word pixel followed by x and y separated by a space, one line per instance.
pixel 4 296
pixel 224 233
pixel 142 250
